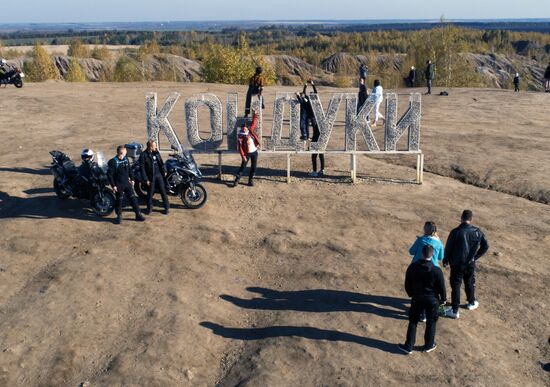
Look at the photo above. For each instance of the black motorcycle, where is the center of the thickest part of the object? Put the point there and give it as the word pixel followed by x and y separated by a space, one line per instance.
pixel 182 179
pixel 12 77
pixel 68 183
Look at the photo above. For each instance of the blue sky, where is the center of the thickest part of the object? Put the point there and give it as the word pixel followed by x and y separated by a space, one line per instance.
pixel 183 10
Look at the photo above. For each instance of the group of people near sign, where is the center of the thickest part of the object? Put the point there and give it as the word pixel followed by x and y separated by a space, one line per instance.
pixel 425 283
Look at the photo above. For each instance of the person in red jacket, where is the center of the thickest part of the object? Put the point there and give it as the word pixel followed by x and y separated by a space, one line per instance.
pixel 248 143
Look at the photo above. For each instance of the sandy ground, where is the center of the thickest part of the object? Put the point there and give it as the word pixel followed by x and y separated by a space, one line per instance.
pixel 278 285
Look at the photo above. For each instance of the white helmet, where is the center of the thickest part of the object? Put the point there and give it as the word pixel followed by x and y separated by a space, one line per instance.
pixel 3 61
pixel 87 155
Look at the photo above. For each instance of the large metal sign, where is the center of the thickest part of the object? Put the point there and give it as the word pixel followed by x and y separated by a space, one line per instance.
pixel 356 123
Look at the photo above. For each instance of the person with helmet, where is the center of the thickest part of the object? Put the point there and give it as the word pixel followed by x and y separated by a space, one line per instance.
pixel 3 67
pixel 255 87
pixel 85 169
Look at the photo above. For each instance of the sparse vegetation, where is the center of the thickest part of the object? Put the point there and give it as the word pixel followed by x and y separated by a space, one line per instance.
pixel 127 70
pixel 41 68
pixel 101 53
pixel 75 73
pixel 78 50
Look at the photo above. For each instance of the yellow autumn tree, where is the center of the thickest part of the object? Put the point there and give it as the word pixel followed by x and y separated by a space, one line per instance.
pixel 41 68
pixel 75 73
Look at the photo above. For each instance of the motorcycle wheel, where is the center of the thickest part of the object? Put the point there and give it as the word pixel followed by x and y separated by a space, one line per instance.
pixel 141 190
pixel 60 191
pixel 103 206
pixel 194 198
pixel 18 83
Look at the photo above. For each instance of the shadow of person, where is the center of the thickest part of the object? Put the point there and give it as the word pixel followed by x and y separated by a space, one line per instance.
pixel 28 171
pixel 44 207
pixel 292 331
pixel 322 301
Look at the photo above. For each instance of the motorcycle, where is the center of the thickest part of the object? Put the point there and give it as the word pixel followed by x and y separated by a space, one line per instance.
pixel 183 179
pixel 12 77
pixel 69 183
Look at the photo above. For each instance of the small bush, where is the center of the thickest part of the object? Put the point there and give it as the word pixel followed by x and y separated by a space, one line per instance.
pixel 75 73
pixel 41 68
pixel 101 53
pixel 78 50
pixel 126 70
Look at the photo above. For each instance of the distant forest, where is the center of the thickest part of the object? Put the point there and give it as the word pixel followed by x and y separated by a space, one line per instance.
pixel 444 43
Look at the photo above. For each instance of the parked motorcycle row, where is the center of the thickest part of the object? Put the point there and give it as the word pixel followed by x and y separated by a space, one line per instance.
pixel 90 182
pixel 10 76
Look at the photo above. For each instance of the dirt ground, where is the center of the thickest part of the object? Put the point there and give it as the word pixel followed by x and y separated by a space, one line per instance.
pixel 276 285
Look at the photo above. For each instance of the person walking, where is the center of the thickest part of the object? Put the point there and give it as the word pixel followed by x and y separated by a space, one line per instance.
pixel 425 284
pixel 122 182
pixel 378 95
pixel 255 88
pixel 465 245
pixel 248 143
pixel 516 82
pixel 153 170
pixel 429 74
pixel 547 79
pixel 412 76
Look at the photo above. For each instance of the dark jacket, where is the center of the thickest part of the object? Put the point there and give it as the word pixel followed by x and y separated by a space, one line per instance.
pixel 363 71
pixel 430 71
pixel 465 245
pixel 305 102
pixel 362 97
pixel 412 75
pixel 516 80
pixel 242 140
pixel 119 172
pixel 547 73
pixel 423 279
pixel 147 166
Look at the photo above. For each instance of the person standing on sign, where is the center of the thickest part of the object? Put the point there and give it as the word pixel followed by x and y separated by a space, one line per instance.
pixel 465 245
pixel 429 74
pixel 122 181
pixel 378 95
pixel 248 143
pixel 152 169
pixel 255 88
pixel 547 79
pixel 425 284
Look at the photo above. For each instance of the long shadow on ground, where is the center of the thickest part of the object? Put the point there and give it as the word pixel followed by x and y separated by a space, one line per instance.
pixel 322 301
pixel 305 332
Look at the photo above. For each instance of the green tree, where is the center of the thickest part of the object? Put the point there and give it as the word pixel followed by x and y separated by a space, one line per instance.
pixel 78 50
pixel 126 70
pixel 75 73
pixel 41 68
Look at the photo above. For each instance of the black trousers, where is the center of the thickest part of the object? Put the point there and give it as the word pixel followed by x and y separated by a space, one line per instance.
pixel 429 86
pixel 121 193
pixel 253 157
pixel 249 94
pixel 466 274
pixel 157 182
pixel 418 305
pixel 314 161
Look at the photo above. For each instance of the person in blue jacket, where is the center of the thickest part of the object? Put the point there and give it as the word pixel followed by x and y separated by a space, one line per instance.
pixel 431 238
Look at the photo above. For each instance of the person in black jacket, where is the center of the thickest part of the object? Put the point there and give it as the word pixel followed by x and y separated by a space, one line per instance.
pixel 425 285
pixel 122 181
pixel 412 77
pixel 547 79
pixel 465 245
pixel 516 82
pixel 152 169
pixel 429 74
pixel 307 116
pixel 362 96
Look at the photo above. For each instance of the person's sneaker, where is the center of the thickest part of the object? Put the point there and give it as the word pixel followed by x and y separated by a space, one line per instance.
pixel 473 306
pixel 313 174
pixel 140 218
pixel 430 349
pixel 166 211
pixel 251 183
pixel 404 349
pixel 303 138
pixel 236 182
pixel 321 173
pixel 147 211
pixel 118 220
pixel 423 319
pixel 450 313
